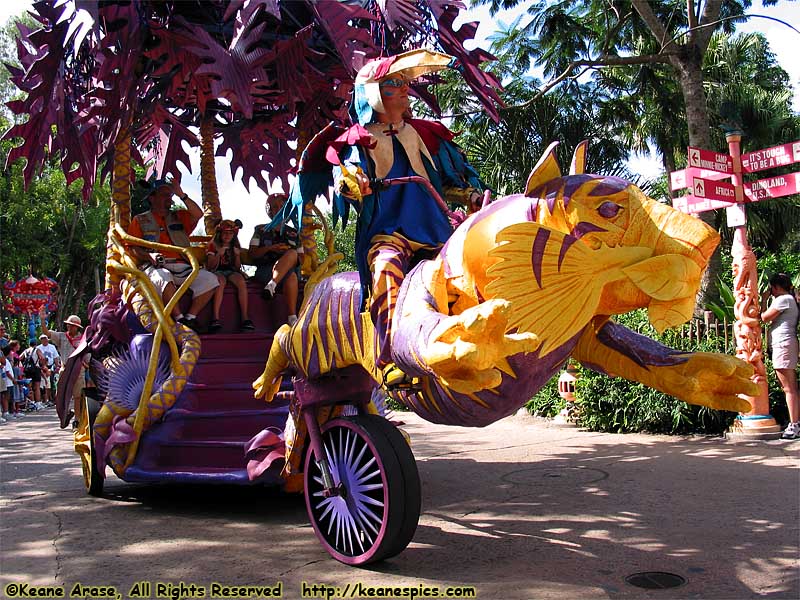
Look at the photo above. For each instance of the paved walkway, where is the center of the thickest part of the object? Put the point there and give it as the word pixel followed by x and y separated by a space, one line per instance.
pixel 517 510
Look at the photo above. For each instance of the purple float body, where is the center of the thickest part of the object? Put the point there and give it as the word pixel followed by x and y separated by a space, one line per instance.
pixel 203 437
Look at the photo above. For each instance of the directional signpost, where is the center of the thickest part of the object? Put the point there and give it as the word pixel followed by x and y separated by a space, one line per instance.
pixel 680 180
pixel 703 177
pixel 772 187
pixel 769 158
pixel 713 161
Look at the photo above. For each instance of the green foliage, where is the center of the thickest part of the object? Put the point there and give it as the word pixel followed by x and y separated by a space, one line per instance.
pixel 505 153
pixel 47 230
pixel 547 402
pixel 724 309
pixel 344 241
pixel 787 262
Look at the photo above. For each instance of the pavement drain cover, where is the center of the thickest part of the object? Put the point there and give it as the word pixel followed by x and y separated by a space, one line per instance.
pixel 553 475
pixel 655 580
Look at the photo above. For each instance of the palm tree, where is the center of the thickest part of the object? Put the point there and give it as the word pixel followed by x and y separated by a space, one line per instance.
pixel 568 37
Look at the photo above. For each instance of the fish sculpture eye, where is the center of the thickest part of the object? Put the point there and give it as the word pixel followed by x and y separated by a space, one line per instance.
pixel 609 210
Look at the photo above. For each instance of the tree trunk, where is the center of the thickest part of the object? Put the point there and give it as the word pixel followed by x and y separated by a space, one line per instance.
pixel 690 73
pixel 212 214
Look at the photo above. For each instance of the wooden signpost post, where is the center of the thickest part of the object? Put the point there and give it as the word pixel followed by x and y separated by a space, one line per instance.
pixel 704 177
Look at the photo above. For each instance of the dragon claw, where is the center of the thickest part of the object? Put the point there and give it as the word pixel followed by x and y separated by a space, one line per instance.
pixel 460 355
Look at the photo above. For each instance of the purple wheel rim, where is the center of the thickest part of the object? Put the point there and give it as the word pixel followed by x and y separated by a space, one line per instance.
pixel 351 526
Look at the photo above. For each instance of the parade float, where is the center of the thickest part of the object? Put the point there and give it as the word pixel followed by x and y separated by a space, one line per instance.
pixel 524 282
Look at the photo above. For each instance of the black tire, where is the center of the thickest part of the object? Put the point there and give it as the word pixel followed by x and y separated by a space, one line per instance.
pixel 375 516
pixel 412 485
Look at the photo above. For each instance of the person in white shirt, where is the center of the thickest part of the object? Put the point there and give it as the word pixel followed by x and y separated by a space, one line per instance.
pixel 782 314
pixel 5 386
pixel 50 354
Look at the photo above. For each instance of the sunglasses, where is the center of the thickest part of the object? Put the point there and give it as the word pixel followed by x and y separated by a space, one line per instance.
pixel 396 82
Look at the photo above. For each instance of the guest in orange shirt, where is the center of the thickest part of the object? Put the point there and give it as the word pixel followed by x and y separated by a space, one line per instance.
pixel 167 270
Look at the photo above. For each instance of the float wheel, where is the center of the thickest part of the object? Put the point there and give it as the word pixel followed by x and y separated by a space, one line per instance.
pixel 374 513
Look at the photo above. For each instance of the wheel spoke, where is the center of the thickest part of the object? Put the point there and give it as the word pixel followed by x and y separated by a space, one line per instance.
pixel 350 447
pixel 350 527
pixel 328 508
pixel 358 474
pixel 376 473
pixel 360 456
pixel 370 487
pixel 369 519
pixel 369 500
pixel 338 522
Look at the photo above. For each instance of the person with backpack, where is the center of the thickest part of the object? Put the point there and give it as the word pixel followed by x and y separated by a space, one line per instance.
pixel 33 362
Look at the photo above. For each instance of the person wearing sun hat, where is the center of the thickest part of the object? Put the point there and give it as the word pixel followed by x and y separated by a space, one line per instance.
pixel 167 270
pixel 65 342
pixel 401 222
pixel 223 258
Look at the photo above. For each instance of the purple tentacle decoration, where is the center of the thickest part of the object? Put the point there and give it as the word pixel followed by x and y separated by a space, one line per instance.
pixel 642 350
pixel 121 433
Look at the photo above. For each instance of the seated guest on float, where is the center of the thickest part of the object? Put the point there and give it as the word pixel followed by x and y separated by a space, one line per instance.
pixel 167 270
pixel 274 250
pixel 223 257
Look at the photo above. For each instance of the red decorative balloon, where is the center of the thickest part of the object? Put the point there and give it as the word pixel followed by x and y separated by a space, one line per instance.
pixel 30 294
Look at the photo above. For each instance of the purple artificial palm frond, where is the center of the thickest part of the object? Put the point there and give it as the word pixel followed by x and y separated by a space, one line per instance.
pixel 403 13
pixel 166 134
pixel 247 9
pixel 231 71
pixel 351 43
pixel 267 69
pixel 484 84
pixel 257 147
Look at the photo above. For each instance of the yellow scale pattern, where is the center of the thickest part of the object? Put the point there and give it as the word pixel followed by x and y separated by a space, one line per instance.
pixel 120 200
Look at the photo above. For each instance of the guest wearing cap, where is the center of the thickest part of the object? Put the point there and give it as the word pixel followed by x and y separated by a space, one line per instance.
pixel 53 361
pixel 223 257
pixel 167 270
